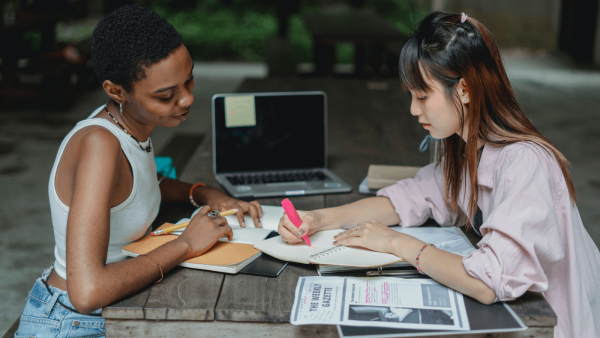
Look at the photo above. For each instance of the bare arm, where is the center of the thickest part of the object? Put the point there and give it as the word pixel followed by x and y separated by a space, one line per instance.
pixel 379 213
pixel 177 191
pixel 440 265
pixel 91 282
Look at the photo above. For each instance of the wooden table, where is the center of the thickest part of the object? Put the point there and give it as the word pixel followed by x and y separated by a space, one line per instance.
pixel 364 127
pixel 361 28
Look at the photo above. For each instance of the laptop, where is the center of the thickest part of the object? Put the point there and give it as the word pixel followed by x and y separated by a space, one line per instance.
pixel 272 144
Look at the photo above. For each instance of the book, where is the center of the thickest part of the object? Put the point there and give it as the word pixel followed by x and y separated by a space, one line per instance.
pixel 363 187
pixel 323 251
pixel 381 176
pixel 225 256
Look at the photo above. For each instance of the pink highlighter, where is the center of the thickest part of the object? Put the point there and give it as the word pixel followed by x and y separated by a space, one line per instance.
pixel 289 209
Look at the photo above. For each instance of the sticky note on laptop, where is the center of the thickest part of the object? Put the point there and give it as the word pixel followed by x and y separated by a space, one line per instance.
pixel 240 111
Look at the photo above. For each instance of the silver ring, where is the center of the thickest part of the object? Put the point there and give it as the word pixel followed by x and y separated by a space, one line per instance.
pixel 213 214
pixel 357 226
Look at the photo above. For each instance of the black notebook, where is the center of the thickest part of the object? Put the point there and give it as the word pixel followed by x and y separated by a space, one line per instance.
pixel 265 265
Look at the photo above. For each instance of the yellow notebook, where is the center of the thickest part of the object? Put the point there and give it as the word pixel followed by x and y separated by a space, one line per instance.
pixel 223 257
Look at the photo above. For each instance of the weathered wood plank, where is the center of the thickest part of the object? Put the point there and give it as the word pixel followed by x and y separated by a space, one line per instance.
pixel 184 294
pixel 534 310
pixel 140 328
pixel 131 307
pixel 215 329
pixel 260 299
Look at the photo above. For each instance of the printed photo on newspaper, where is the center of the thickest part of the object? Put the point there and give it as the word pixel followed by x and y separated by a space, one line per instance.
pixel 379 301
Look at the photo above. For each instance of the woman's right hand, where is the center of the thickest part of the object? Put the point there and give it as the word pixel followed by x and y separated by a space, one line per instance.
pixel 203 232
pixel 293 235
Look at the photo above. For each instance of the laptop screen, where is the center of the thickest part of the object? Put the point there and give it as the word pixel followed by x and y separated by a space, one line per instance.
pixel 260 132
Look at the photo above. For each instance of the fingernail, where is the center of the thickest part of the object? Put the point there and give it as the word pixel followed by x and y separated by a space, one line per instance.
pixel 260 223
pixel 243 224
pixel 335 242
pixel 301 232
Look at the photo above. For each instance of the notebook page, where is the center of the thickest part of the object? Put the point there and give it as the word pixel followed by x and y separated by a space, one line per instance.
pixel 449 239
pixel 240 235
pixel 298 253
pixel 355 257
pixel 270 220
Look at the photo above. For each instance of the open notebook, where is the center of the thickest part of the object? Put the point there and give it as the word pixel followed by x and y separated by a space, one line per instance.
pixel 337 259
pixel 323 252
pixel 250 234
pixel 225 256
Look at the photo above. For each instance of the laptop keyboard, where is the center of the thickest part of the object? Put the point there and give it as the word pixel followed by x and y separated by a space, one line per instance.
pixel 277 177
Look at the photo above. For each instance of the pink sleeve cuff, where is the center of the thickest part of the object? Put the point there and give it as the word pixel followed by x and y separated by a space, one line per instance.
pixel 417 199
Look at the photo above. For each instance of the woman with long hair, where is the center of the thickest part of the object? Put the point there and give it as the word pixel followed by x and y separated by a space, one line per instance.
pixel 498 173
pixel 104 191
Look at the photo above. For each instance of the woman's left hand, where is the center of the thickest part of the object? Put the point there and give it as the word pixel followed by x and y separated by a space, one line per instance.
pixel 218 200
pixel 369 235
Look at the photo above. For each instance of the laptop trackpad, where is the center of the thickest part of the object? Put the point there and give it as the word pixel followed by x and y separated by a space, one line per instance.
pixel 289 186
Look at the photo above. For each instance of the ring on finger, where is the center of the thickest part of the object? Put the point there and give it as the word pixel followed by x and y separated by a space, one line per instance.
pixel 213 214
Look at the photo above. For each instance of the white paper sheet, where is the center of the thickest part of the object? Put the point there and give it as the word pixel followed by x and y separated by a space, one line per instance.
pixel 449 239
pixel 270 220
pixel 380 301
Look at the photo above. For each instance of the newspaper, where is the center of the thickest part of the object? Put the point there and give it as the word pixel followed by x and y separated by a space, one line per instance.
pixel 380 301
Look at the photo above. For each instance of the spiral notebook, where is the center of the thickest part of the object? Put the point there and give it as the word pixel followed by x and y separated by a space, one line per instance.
pixel 323 252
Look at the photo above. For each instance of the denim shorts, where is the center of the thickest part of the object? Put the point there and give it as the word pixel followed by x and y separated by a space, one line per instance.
pixel 49 313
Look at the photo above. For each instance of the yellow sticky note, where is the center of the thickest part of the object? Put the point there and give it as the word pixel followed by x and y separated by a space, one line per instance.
pixel 240 111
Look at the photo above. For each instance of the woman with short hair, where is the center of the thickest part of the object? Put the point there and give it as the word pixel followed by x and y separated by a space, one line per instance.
pixel 104 191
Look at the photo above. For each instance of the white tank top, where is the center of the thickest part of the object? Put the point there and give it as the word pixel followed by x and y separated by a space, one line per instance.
pixel 129 220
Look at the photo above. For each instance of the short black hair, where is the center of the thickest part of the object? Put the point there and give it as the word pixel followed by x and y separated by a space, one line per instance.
pixel 128 40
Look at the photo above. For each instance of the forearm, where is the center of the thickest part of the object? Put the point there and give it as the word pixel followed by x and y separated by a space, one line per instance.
pixel 368 209
pixel 444 267
pixel 178 191
pixel 104 284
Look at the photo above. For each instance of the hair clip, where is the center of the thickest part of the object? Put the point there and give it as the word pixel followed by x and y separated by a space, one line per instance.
pixel 463 17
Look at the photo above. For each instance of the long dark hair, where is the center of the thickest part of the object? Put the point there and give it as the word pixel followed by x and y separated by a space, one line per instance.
pixel 449 50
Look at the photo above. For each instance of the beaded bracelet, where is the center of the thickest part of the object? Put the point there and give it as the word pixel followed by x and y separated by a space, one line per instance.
pixel 419 255
pixel 191 195
pixel 161 272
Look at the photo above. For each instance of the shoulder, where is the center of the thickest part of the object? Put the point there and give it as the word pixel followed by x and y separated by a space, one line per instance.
pixel 527 163
pixel 96 145
pixel 526 155
pixel 96 137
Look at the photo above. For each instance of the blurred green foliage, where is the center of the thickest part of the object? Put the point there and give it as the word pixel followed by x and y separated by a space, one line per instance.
pixel 241 29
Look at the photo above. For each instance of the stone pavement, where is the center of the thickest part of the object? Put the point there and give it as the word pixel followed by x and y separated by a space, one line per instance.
pixel 562 101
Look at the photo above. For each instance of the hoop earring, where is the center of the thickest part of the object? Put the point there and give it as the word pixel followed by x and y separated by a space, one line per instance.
pixel 121 108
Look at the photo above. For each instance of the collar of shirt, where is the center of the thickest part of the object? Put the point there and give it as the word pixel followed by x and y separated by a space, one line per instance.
pixel 485 172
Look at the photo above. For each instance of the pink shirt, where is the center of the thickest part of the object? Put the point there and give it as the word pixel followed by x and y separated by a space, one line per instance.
pixel 533 236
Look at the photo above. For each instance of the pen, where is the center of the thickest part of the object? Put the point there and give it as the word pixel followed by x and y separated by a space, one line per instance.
pixel 172 228
pixel 293 215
